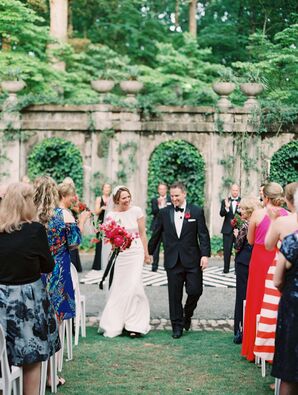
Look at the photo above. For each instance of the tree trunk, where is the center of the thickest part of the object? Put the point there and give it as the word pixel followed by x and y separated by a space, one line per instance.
pixel 69 18
pixel 58 23
pixel 177 14
pixel 192 17
pixel 58 26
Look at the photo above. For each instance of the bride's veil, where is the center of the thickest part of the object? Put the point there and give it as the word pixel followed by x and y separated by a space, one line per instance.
pixel 106 247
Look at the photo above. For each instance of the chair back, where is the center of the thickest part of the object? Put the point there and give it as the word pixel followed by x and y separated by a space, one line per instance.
pixel 75 283
pixel 5 370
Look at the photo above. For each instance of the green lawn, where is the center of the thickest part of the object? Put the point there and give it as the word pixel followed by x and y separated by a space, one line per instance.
pixel 198 363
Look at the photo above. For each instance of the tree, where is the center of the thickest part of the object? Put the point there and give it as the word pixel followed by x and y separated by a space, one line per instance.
pixel 193 18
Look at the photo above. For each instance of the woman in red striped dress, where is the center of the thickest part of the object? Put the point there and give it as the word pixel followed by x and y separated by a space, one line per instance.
pixel 260 262
pixel 278 229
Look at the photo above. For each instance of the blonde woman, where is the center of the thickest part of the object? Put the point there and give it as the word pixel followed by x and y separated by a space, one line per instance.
pixel 279 228
pixel 261 259
pixel 26 314
pixel 242 259
pixel 53 205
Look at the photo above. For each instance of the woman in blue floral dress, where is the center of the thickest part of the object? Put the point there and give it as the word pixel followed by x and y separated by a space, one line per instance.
pixel 63 235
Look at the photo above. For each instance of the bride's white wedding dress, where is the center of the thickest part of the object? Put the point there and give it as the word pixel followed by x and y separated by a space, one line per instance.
pixel 127 306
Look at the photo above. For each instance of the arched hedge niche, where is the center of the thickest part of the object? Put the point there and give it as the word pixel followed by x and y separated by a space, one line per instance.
pixel 58 158
pixel 284 164
pixel 177 160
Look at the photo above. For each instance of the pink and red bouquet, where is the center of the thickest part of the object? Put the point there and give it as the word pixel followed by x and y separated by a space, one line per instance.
pixel 120 240
pixel 237 222
pixel 116 235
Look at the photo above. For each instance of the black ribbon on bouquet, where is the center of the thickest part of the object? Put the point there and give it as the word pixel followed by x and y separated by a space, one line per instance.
pixel 109 269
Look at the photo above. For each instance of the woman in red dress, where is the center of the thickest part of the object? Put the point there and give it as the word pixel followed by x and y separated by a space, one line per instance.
pixel 261 260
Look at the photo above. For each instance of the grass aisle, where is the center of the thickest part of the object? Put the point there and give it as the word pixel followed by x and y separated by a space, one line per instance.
pixel 198 363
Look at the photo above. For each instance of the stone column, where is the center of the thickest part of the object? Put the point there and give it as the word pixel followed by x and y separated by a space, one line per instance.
pixel 58 25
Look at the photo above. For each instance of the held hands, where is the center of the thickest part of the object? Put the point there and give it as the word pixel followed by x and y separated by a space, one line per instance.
pixel 148 259
pixel 204 262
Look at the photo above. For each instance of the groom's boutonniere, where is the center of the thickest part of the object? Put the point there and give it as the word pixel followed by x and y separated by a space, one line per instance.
pixel 187 215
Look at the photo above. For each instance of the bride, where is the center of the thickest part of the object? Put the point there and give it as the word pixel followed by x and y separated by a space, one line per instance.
pixel 127 307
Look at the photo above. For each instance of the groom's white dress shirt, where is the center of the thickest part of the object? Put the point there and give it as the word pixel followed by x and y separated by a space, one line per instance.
pixel 178 219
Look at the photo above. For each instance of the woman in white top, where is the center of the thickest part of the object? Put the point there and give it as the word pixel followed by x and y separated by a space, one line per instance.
pixel 127 307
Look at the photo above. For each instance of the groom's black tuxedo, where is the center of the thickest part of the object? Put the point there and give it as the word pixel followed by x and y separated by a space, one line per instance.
pixel 186 248
pixel 182 257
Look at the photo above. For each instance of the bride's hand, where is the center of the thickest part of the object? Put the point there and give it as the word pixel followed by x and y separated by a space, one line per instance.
pixel 148 259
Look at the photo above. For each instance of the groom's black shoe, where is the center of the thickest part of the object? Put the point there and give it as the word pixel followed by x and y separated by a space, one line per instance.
pixel 177 333
pixel 187 323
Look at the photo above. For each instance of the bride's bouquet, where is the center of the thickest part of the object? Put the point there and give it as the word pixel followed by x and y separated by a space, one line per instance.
pixel 120 240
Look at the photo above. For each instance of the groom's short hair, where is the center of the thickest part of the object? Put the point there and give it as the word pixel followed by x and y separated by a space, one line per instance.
pixel 179 185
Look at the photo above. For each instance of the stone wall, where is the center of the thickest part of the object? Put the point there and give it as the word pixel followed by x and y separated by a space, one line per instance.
pixel 211 132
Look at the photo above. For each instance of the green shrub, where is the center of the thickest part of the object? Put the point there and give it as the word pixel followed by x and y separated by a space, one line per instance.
pixel 86 244
pixel 173 161
pixel 59 159
pixel 216 245
pixel 284 164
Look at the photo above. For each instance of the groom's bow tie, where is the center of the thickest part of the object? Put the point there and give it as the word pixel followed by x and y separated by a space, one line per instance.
pixel 179 209
pixel 234 200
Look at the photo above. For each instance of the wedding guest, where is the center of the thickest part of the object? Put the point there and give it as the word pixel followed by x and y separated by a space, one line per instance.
pixel 278 229
pixel 285 363
pixel 127 307
pixel 187 248
pixel 63 234
pixel 26 315
pixel 74 253
pixel 261 193
pixel 242 259
pixel 100 209
pixel 260 262
pixel 157 204
pixel 228 209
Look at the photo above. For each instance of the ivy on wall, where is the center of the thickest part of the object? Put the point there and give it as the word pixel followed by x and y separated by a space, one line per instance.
pixel 284 164
pixel 59 159
pixel 177 160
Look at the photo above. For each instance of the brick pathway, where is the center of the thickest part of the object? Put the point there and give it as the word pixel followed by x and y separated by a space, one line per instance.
pixel 196 325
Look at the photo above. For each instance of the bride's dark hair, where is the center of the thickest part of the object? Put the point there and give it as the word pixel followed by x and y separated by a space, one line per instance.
pixel 116 197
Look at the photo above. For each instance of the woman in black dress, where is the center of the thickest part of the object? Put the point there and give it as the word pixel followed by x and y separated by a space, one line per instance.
pixel 26 315
pixel 242 258
pixel 100 207
pixel 285 362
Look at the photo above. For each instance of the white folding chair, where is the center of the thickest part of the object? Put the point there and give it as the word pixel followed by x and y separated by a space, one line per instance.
pixel 80 319
pixel 259 360
pixel 12 378
pixel 277 386
pixel 65 330
pixel 44 373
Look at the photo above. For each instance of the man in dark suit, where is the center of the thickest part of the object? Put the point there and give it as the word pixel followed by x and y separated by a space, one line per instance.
pixel 182 225
pixel 228 209
pixel 157 204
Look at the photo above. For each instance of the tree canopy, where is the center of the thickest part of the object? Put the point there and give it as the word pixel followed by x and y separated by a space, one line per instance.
pixel 112 36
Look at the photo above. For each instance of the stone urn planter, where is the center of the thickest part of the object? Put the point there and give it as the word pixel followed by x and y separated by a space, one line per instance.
pixel 224 89
pixel 102 86
pixel 13 87
pixel 251 90
pixel 131 88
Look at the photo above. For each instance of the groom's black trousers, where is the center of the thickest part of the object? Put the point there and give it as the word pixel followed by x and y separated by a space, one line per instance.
pixel 193 280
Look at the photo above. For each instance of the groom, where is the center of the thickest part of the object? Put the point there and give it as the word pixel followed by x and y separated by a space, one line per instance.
pixel 181 225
